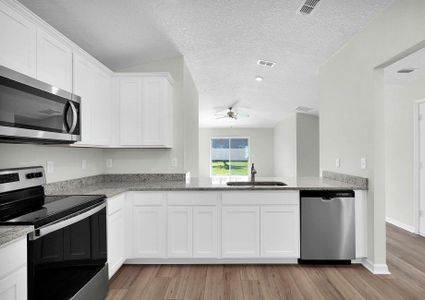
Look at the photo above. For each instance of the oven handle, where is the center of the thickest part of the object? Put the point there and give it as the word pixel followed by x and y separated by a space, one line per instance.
pixel 40 232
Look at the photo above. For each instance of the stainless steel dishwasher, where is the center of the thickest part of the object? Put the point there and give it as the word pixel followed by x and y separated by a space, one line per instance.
pixel 327 227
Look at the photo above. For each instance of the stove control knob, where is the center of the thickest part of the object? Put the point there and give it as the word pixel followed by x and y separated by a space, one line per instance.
pixel 30 176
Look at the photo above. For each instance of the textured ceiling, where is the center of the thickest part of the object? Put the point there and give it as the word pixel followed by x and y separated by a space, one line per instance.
pixel 414 61
pixel 221 41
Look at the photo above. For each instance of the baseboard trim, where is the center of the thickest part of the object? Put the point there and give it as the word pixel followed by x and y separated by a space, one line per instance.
pixel 401 225
pixel 160 261
pixel 377 269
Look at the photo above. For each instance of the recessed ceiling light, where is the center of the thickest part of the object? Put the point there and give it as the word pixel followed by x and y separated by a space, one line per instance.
pixel 259 78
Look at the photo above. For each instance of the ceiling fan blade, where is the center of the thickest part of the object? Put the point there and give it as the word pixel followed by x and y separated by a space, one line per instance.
pixel 243 115
pixel 222 117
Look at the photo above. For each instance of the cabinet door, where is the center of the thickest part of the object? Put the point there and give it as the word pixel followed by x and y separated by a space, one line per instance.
pixel 205 231
pixel 83 87
pixel 18 42
pixel 280 231
pixel 130 111
pixel 179 231
pixel 101 115
pixel 14 285
pixel 149 231
pixel 116 241
pixel 54 61
pixel 240 231
pixel 154 114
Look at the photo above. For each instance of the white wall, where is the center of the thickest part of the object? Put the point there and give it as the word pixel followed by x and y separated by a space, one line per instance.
pixel 352 122
pixel 285 147
pixel 399 102
pixel 261 147
pixel 67 161
pixel 185 128
pixel 296 146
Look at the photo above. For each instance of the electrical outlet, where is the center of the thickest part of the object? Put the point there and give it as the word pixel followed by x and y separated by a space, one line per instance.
pixel 363 163
pixel 50 167
pixel 174 162
pixel 338 162
pixel 84 164
pixel 109 163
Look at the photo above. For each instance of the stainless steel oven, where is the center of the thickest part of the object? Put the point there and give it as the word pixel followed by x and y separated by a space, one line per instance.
pixel 35 112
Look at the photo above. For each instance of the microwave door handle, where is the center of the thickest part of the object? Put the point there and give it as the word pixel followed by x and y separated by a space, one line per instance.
pixel 74 117
pixel 40 232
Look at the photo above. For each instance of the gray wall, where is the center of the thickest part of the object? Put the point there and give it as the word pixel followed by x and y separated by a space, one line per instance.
pixel 285 147
pixel 261 147
pixel 352 122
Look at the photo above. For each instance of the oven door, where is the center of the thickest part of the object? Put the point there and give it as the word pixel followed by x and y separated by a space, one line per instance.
pixel 31 110
pixel 67 259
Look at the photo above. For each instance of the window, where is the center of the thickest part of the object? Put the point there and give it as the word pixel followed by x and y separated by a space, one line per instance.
pixel 229 156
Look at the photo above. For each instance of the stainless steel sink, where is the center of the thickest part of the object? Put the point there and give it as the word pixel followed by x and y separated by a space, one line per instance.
pixel 255 183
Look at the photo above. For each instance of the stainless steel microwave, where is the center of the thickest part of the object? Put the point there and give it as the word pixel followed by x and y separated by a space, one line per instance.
pixel 32 111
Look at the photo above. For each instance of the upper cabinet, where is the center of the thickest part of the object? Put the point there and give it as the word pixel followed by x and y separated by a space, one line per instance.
pixel 54 61
pixel 18 42
pixel 146 107
pixel 93 85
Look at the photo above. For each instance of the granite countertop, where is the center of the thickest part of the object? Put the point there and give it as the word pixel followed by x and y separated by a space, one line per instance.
pixel 111 189
pixel 9 234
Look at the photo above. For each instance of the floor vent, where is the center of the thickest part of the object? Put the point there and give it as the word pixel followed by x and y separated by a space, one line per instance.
pixel 308 7
pixel 266 63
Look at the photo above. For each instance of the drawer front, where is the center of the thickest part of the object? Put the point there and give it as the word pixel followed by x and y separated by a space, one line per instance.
pixel 192 198
pixel 261 198
pixel 150 198
pixel 115 204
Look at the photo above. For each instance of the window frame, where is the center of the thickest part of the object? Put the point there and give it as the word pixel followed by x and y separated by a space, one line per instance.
pixel 229 138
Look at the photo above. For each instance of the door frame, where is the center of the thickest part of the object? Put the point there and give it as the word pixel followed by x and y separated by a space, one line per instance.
pixel 416 165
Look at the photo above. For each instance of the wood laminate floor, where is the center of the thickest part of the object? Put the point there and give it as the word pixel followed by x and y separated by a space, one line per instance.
pixel 406 261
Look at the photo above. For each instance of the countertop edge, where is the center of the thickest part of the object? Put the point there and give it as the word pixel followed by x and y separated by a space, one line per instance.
pixel 12 234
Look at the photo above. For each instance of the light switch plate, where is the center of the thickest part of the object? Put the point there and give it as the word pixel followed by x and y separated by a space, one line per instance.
pixel 363 163
pixel 109 163
pixel 84 164
pixel 338 162
pixel 50 167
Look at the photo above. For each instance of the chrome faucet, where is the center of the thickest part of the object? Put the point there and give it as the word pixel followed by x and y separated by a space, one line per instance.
pixel 253 172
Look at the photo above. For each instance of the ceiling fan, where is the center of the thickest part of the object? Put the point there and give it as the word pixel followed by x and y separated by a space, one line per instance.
pixel 231 114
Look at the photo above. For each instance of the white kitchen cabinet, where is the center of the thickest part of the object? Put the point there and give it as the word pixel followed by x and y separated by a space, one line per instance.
pixel 18 41
pixel 205 229
pixel 149 231
pixel 54 61
pixel 240 231
pixel 93 85
pixel 280 231
pixel 179 231
pixel 13 272
pixel 116 233
pixel 145 110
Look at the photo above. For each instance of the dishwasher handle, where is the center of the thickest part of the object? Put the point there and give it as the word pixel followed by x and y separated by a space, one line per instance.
pixel 327 194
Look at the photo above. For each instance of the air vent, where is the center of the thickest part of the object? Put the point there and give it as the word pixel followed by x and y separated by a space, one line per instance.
pixel 308 7
pixel 266 63
pixel 405 71
pixel 303 109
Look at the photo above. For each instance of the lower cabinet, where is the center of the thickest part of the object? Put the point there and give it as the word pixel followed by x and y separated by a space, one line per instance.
pixel 13 271
pixel 179 231
pixel 280 231
pixel 116 233
pixel 149 231
pixel 240 231
pixel 205 232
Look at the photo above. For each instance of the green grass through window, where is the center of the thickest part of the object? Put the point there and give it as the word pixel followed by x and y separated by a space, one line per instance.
pixel 233 168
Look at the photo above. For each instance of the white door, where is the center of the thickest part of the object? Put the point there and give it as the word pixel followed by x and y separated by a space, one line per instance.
pixel 83 87
pixel 154 92
pixel 240 231
pixel 116 241
pixel 422 169
pixel 18 42
pixel 130 111
pixel 54 61
pixel 179 231
pixel 280 231
pixel 149 231
pixel 14 285
pixel 205 231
